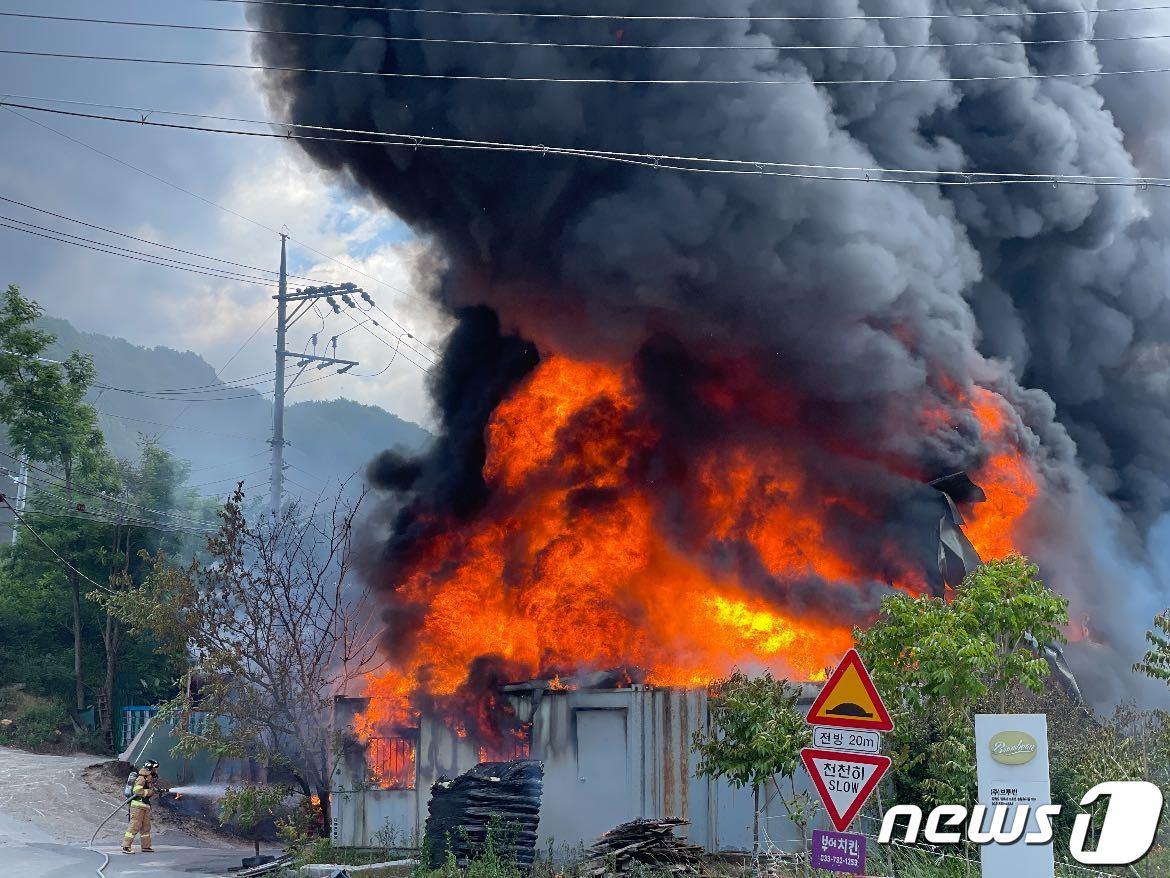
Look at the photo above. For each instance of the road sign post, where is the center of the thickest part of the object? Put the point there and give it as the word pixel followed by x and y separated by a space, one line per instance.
pixel 849 700
pixel 844 780
pixel 845 764
pixel 852 740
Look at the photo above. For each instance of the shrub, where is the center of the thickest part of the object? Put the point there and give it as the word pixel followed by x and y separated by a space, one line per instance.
pixel 301 828
pixel 247 807
pixel 34 724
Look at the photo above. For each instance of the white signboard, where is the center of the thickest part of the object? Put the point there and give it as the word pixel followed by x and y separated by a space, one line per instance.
pixel 1012 759
pixel 853 740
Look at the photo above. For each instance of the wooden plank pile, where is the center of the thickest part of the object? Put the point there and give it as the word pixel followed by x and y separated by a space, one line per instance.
pixel 641 845
pixel 502 798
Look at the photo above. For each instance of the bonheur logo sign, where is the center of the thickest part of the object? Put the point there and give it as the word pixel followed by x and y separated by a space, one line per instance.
pixel 1013 748
pixel 1011 759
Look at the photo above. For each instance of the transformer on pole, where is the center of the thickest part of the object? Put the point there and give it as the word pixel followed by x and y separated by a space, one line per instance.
pixel 302 301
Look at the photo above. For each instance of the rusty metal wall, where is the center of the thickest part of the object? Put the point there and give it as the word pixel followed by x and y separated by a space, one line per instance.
pixel 609 756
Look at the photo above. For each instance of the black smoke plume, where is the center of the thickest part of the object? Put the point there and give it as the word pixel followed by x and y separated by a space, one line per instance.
pixel 863 298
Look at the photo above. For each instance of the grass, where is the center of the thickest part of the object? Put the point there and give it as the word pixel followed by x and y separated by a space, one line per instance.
pixel 902 861
pixel 323 851
pixel 907 862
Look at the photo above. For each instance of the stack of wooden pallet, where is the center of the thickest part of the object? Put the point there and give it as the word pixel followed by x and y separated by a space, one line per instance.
pixel 501 799
pixel 644 845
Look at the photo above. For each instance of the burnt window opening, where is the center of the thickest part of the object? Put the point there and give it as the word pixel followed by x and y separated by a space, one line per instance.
pixel 516 744
pixel 391 762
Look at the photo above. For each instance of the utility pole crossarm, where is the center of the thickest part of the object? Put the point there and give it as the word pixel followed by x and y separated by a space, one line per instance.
pixel 311 293
pixel 304 300
pixel 305 359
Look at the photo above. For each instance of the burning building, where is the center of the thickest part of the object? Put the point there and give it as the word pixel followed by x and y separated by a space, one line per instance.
pixel 690 410
pixel 612 750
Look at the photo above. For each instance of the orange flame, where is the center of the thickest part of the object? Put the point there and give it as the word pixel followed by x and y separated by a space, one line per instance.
pixel 1008 479
pixel 572 566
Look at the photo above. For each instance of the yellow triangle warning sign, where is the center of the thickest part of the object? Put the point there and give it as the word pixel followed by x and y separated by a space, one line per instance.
pixel 850 700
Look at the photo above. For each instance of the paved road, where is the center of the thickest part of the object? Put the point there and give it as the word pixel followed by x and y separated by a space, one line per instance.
pixel 48 813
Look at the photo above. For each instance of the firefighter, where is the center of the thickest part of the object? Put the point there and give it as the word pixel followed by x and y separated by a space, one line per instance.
pixel 140 802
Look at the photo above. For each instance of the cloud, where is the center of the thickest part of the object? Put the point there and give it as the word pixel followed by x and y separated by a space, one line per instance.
pixel 266 181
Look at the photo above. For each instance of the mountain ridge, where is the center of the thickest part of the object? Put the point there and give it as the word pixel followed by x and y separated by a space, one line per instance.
pixel 223 429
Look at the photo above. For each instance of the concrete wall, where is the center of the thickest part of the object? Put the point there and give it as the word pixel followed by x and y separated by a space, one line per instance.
pixel 609 756
pixel 156 740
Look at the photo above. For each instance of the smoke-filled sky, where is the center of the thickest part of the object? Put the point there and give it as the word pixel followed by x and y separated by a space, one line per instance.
pixel 866 297
pixel 268 181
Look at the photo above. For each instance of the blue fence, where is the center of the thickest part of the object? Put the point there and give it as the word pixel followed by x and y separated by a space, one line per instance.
pixel 133 719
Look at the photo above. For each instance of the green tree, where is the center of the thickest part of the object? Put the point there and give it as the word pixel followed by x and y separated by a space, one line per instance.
pixel 754 737
pixel 127 512
pixel 937 662
pixel 42 403
pixel 1155 664
pixel 142 526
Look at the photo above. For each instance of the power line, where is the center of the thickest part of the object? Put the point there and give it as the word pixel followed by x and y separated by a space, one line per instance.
pixel 177 427
pixel 61 240
pixel 247 341
pixel 585 80
pixel 52 551
pixel 144 240
pixel 748 18
pixel 205 391
pixel 364 324
pixel 238 351
pixel 368 299
pixel 79 510
pixel 392 38
pixel 60 483
pixel 795 170
pixel 422 141
pixel 176 262
pixel 307 490
pixel 130 522
pixel 205 396
pixel 169 398
pixel 43 486
pixel 403 328
pixel 131 166
pixel 238 478
pixel 384 341
pixel 222 385
pixel 134 167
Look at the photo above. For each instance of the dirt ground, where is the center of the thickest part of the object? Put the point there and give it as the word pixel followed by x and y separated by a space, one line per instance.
pixel 51 805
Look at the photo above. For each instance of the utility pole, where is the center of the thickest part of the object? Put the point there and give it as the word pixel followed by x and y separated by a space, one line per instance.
pixel 21 497
pixel 277 487
pixel 304 300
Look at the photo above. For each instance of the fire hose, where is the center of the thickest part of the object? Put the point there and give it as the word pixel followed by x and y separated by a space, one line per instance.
pixel 105 857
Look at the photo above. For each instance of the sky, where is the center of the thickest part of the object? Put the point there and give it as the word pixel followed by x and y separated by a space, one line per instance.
pixel 52 162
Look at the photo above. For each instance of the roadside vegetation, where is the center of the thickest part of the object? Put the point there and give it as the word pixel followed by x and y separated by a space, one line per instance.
pixel 993 646
pixel 123 587
pixel 66 665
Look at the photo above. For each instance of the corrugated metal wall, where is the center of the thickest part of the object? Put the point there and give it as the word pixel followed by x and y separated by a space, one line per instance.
pixel 609 756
